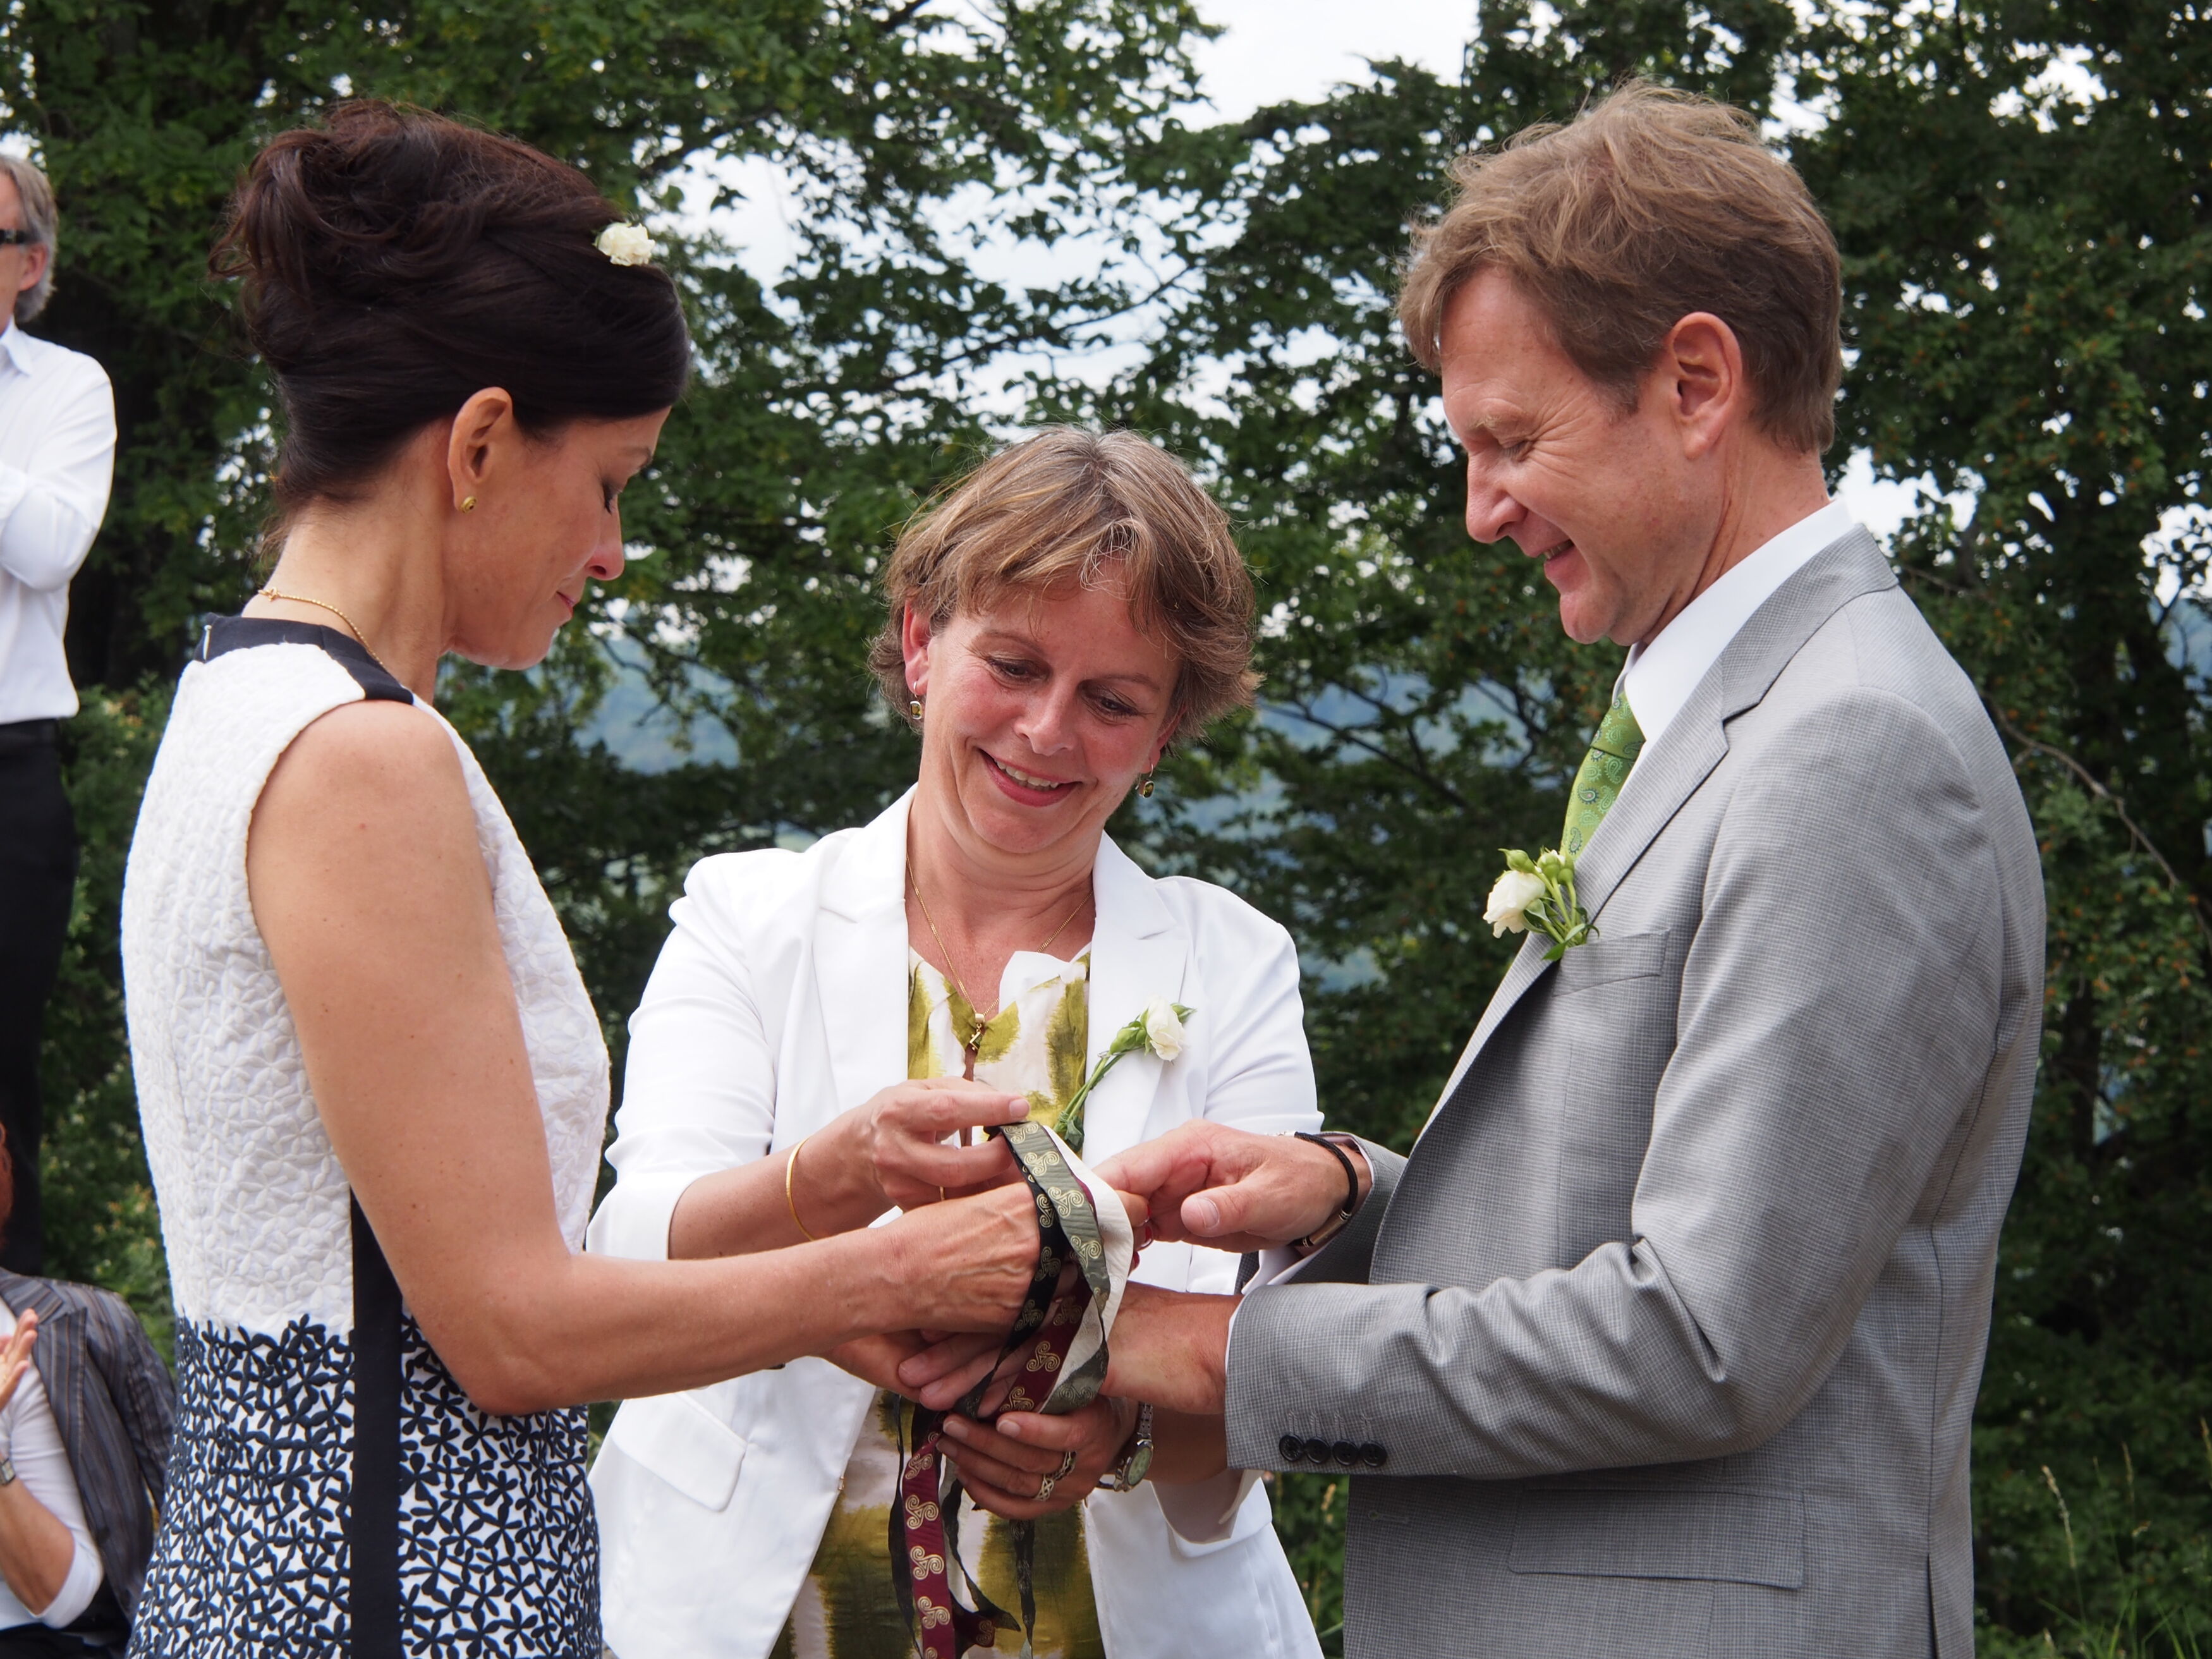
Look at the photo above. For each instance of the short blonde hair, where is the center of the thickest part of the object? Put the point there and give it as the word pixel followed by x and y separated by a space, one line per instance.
pixel 1648 206
pixel 1068 505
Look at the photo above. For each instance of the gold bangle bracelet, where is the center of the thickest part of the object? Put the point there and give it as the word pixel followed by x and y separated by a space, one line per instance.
pixel 791 1168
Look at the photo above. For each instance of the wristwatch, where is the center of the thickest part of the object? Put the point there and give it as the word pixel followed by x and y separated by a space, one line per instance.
pixel 1136 1459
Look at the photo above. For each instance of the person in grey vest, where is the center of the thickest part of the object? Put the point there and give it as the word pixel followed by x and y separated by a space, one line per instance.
pixel 86 1408
pixel 56 453
pixel 1665 1338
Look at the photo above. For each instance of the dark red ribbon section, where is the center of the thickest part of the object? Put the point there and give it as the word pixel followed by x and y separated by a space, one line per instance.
pixel 924 1529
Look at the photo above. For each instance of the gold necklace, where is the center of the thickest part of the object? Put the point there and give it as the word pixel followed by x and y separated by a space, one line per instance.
pixel 976 1037
pixel 352 627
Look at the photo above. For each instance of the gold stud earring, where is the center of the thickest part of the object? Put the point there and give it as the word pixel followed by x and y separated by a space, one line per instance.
pixel 914 709
pixel 468 504
pixel 1144 786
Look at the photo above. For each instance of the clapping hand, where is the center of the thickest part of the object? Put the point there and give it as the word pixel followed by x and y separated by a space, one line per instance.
pixel 15 1357
pixel 1209 1184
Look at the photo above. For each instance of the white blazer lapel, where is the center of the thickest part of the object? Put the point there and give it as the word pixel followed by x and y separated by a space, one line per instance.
pixel 860 970
pixel 1138 952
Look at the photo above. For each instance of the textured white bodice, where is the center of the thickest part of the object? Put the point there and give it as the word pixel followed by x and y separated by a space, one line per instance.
pixel 255 1209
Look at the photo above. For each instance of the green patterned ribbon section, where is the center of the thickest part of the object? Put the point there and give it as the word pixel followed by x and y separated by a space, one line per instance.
pixel 1612 753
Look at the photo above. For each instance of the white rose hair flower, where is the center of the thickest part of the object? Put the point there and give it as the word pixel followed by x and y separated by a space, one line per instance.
pixel 626 245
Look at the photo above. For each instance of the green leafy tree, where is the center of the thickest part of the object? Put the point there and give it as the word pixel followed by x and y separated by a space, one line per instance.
pixel 2020 194
pixel 822 414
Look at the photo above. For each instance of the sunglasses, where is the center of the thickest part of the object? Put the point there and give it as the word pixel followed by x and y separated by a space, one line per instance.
pixel 17 238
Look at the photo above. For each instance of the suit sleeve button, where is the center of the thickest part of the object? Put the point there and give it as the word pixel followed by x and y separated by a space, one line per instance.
pixel 1293 1448
pixel 1316 1451
pixel 1346 1453
pixel 1375 1456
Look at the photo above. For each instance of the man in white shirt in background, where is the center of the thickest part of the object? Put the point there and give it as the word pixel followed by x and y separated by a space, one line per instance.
pixel 57 458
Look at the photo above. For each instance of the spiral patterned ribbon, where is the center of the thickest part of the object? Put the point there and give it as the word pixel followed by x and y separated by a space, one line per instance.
pixel 1054 1361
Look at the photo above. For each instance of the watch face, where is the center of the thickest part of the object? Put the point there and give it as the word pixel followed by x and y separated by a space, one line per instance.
pixel 1140 1463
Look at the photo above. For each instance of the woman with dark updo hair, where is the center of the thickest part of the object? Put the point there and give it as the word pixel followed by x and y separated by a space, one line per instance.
pixel 374 1089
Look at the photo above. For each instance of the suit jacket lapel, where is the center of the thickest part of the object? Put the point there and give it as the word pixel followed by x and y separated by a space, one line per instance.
pixel 1690 747
pixel 861 966
pixel 1137 953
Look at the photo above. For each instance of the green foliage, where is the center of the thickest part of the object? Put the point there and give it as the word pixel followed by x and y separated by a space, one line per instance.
pixel 100 1223
pixel 1310 1516
pixel 2026 281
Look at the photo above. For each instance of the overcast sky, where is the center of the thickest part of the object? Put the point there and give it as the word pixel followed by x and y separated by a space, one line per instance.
pixel 1277 50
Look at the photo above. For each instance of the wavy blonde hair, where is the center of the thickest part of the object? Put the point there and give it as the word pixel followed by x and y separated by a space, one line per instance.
pixel 1072 506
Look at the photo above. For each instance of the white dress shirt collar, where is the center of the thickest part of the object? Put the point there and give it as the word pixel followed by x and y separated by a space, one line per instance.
pixel 1661 674
pixel 19 348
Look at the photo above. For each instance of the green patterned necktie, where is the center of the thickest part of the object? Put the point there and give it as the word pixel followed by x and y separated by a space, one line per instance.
pixel 1619 739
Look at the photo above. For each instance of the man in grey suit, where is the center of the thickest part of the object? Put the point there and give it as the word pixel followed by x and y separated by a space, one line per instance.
pixel 1665 1340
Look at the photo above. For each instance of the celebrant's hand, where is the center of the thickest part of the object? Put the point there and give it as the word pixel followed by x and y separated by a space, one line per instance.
pixel 1027 1464
pixel 901 1140
pixel 1209 1184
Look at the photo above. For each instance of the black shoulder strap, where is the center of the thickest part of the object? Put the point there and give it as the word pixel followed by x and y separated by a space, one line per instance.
pixel 372 1525
pixel 228 634
pixel 373 1516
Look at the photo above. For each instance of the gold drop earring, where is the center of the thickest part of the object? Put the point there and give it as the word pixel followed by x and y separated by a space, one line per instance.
pixel 913 710
pixel 1144 786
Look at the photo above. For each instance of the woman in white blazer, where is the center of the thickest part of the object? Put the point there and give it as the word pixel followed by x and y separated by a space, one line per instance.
pixel 1055 622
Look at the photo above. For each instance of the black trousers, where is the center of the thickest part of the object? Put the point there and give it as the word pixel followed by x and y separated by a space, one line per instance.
pixel 38 872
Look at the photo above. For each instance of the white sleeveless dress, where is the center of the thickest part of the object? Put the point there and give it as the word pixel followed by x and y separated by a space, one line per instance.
pixel 332 1490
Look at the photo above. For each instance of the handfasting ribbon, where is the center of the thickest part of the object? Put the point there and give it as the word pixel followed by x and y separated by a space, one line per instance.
pixel 1054 1362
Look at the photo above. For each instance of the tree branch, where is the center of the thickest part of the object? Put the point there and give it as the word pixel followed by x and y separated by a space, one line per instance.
pixel 2089 781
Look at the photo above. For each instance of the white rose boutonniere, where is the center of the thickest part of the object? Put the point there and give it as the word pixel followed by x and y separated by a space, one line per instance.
pixel 1539 894
pixel 1508 910
pixel 1163 1032
pixel 626 245
pixel 1158 1031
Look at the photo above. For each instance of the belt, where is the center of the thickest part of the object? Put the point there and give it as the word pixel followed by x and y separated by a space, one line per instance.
pixel 19 735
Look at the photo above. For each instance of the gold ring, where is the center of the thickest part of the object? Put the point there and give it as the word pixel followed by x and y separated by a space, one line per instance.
pixel 941 1194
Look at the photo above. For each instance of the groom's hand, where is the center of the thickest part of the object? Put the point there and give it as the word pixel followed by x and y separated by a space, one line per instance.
pixel 1211 1184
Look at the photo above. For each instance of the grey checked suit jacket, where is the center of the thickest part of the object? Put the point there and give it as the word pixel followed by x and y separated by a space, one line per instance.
pixel 1668 1335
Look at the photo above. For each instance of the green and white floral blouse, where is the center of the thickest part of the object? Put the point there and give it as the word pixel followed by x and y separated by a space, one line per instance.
pixel 847 1609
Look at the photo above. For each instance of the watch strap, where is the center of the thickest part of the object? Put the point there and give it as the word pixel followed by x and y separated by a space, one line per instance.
pixel 1336 1223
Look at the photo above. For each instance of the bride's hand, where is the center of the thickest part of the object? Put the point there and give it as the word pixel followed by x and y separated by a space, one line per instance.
pixel 967 1265
pixel 955 1357
pixel 1006 1467
pixel 876 1358
pixel 899 1139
